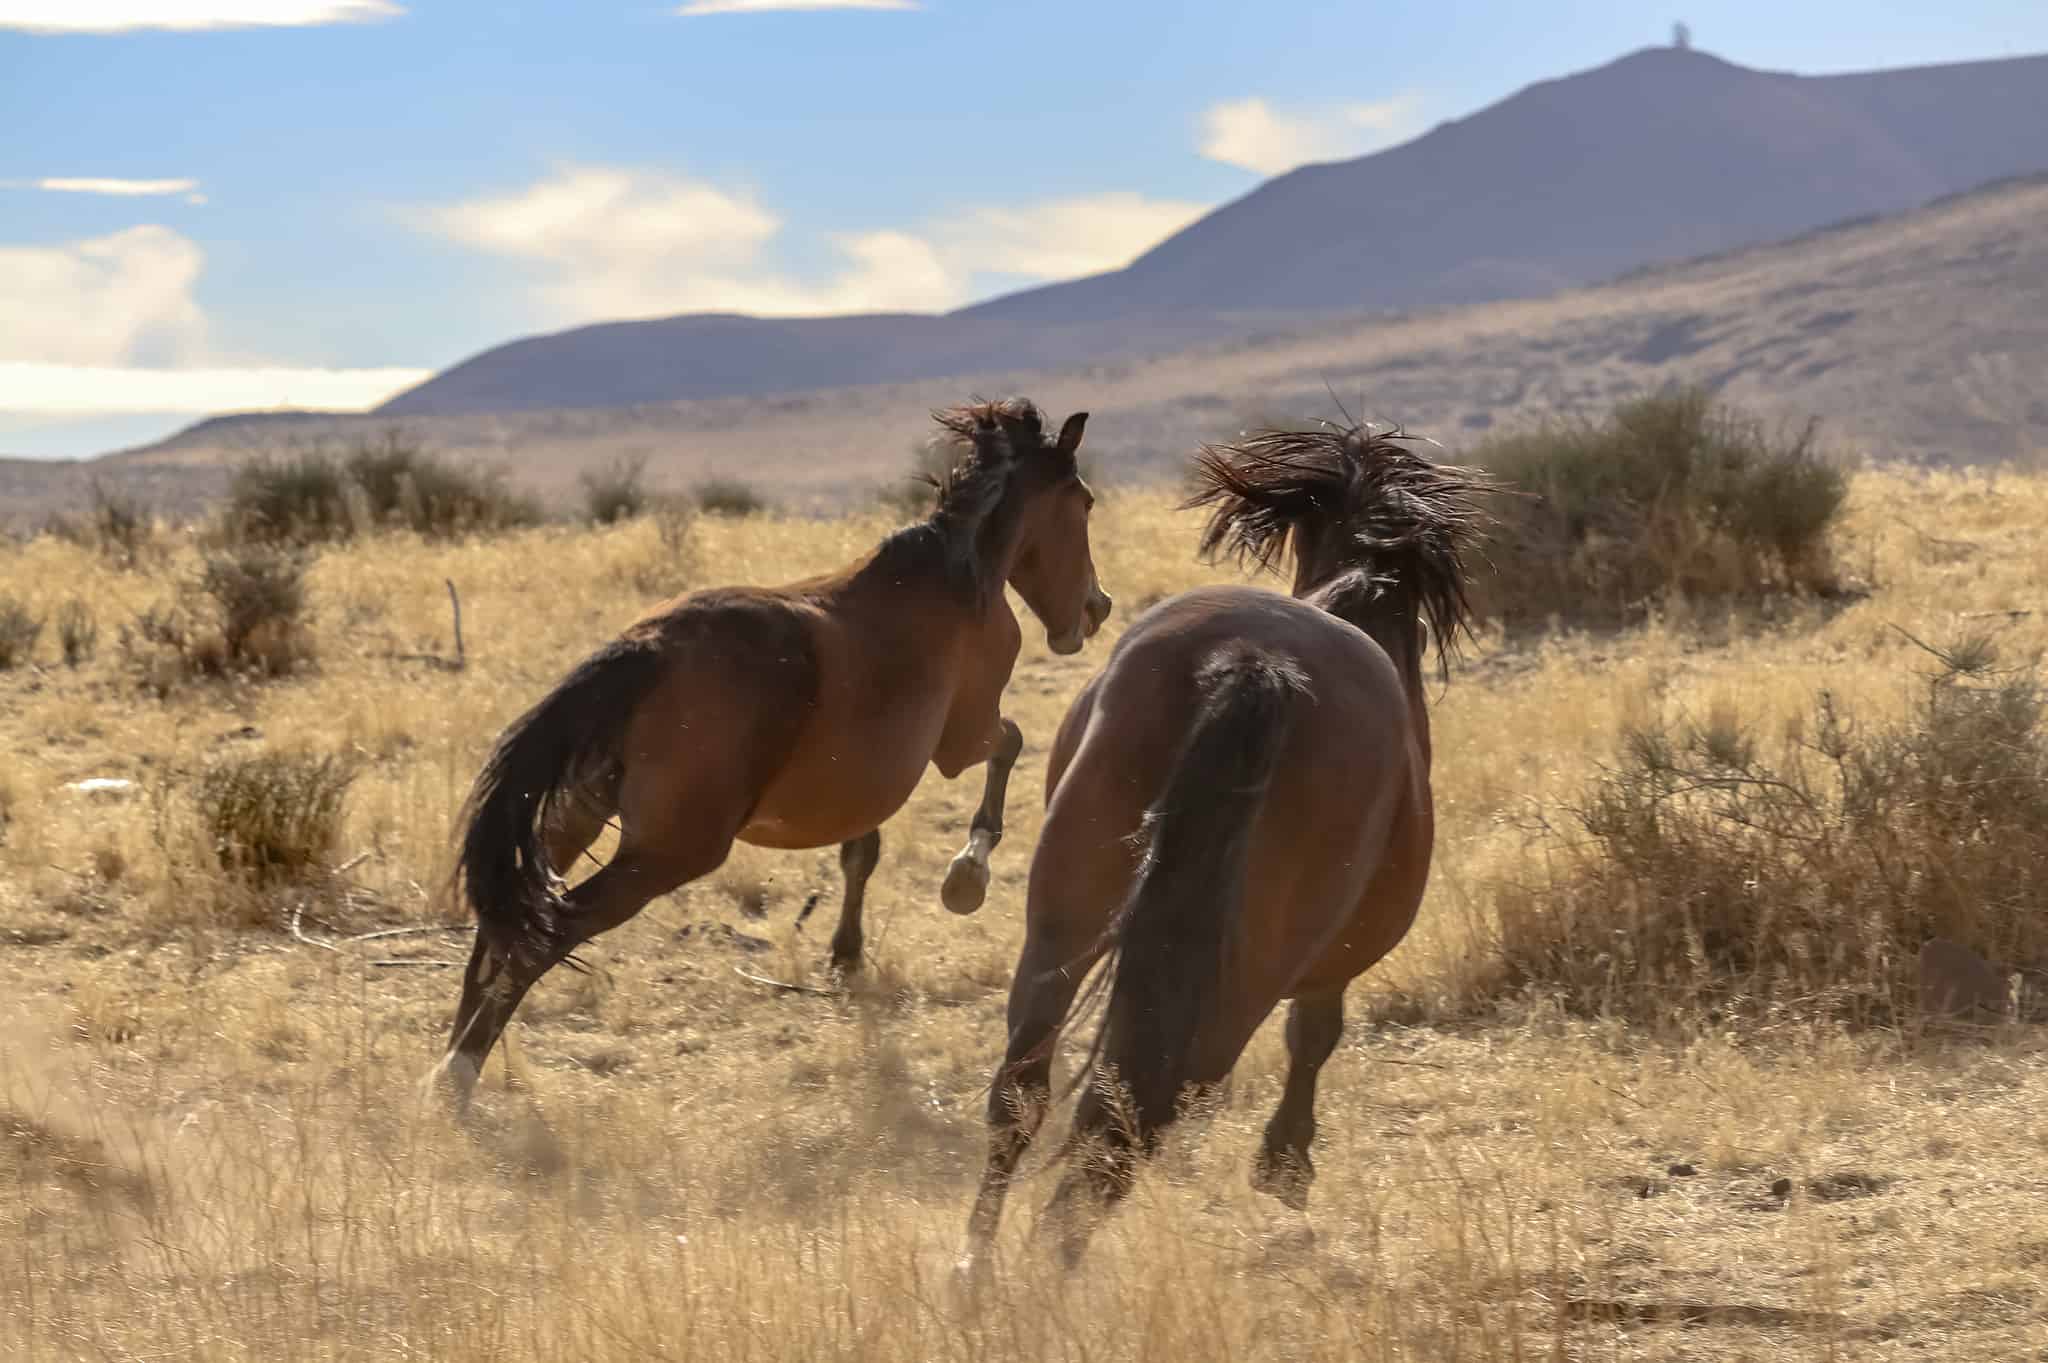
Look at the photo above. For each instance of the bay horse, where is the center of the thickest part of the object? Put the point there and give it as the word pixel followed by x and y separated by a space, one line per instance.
pixel 1238 811
pixel 791 717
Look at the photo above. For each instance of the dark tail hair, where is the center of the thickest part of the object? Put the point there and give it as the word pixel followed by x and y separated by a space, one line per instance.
pixel 1172 940
pixel 503 871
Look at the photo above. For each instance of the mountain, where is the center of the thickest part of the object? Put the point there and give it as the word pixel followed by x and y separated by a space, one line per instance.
pixel 1665 153
pixel 1917 337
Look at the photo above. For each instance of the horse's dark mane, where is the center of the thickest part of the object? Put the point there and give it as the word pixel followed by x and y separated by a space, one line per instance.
pixel 1391 524
pixel 985 444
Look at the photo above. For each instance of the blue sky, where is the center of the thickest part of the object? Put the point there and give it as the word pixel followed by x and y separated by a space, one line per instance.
pixel 212 204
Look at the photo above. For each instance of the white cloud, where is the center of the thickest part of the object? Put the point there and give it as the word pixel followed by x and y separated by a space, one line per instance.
pixel 110 325
pixel 103 300
pixel 61 184
pixel 609 242
pixel 1251 133
pixel 699 8
pixel 72 390
pixel 1061 238
pixel 123 16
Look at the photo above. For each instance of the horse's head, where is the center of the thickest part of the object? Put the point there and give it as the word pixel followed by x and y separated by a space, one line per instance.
pixel 1037 513
pixel 1355 509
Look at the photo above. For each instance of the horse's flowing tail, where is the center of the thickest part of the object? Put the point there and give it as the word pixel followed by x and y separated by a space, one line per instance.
pixel 1174 935
pixel 503 870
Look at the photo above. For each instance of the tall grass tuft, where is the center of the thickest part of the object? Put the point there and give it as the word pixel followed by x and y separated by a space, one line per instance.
pixel 274 817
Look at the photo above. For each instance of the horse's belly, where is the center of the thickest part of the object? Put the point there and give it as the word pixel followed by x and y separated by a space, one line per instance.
pixel 831 795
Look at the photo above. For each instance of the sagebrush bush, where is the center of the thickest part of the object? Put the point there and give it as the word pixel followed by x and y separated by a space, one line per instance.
pixel 118 527
pixel 729 497
pixel 19 630
pixel 122 527
pixel 274 817
pixel 617 491
pixel 1712 877
pixel 259 599
pixel 391 483
pixel 1668 497
pixel 245 613
pixel 78 632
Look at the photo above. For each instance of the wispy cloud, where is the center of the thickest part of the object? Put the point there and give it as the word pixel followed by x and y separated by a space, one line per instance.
pixel 111 325
pixel 59 390
pixel 697 9
pixel 612 242
pixel 83 184
pixel 1253 134
pixel 123 16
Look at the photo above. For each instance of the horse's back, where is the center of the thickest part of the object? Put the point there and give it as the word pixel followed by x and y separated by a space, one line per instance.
pixel 1345 805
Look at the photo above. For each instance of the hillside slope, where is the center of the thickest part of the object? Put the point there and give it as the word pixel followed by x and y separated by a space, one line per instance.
pixel 1663 154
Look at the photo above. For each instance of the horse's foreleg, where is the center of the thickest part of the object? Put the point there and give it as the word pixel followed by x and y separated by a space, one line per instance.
pixel 1283 1168
pixel 1021 1091
pixel 966 882
pixel 857 860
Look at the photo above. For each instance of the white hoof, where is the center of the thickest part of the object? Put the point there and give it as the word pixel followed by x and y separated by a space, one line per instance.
pixel 455 1080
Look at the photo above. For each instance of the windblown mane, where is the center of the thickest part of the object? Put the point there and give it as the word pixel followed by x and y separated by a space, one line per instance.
pixel 1401 522
pixel 984 444
pixel 985 438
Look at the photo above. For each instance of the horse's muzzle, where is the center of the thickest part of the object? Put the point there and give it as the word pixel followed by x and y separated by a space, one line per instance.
pixel 1094 611
pixel 1098 608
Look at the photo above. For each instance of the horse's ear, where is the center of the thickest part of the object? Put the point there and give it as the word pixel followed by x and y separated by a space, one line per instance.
pixel 1070 434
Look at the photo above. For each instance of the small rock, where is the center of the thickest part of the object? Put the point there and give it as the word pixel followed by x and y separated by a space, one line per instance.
pixel 1782 1189
pixel 1681 1171
pixel 103 787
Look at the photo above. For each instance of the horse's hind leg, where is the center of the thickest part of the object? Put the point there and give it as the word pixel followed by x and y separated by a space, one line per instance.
pixel 966 883
pixel 492 988
pixel 857 861
pixel 1314 1026
pixel 575 819
pixel 1048 974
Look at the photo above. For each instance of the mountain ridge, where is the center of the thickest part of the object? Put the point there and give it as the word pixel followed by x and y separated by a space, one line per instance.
pixel 1660 153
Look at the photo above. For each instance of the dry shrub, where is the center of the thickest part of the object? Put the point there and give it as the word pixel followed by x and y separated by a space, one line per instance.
pixel 1717 880
pixel 78 633
pixel 730 497
pixel 1668 497
pixel 122 528
pixel 274 817
pixel 19 630
pixel 118 527
pixel 259 600
pixel 316 496
pixel 245 614
pixel 617 491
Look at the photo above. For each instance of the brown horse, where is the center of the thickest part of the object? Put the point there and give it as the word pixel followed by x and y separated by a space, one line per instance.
pixel 1238 810
pixel 797 716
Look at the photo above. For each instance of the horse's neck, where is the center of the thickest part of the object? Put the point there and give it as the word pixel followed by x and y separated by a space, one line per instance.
pixel 1391 625
pixel 929 574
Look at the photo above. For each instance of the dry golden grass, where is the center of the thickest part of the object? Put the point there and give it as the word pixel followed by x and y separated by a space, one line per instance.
pixel 214 1146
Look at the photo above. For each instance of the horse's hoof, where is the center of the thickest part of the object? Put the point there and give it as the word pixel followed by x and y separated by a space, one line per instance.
pixel 1284 1177
pixel 452 1082
pixel 966 885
